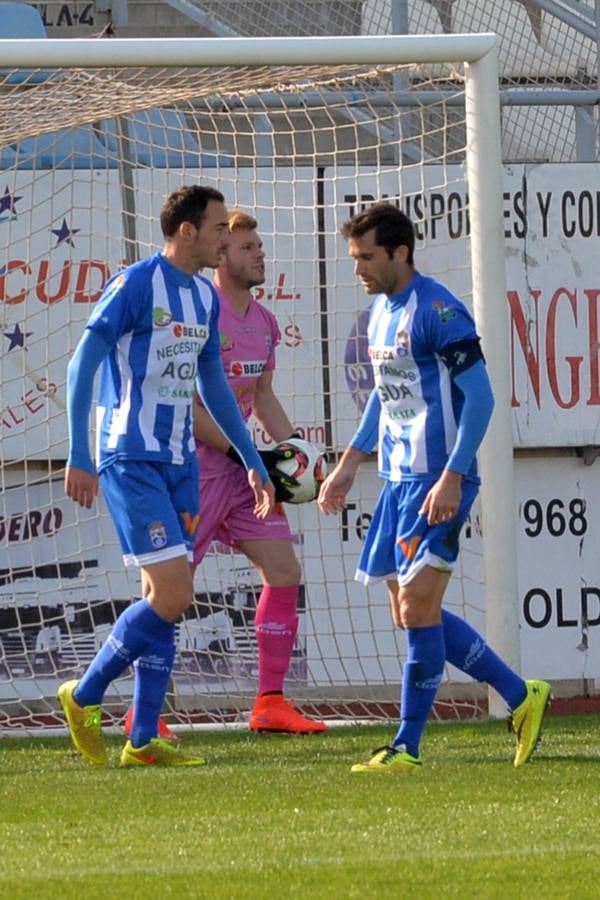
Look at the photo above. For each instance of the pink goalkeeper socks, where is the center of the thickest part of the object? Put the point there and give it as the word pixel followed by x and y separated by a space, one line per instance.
pixel 276 624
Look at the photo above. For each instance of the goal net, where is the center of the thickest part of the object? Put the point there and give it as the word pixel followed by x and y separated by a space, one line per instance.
pixel 90 145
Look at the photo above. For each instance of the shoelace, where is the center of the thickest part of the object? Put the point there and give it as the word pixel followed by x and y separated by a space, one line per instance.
pixel 93 718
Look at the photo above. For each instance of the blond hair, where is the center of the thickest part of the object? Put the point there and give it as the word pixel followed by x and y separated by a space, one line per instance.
pixel 238 220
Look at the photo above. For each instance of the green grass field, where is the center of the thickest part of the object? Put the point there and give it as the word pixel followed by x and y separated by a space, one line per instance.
pixel 279 816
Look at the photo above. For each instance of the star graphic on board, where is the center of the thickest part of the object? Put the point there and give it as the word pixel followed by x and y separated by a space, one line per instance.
pixel 7 203
pixel 64 233
pixel 17 337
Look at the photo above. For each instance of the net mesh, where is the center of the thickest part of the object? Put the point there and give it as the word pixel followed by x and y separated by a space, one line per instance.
pixel 86 160
pixel 537 48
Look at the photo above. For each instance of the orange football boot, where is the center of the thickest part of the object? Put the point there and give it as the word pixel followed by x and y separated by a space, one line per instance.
pixel 164 731
pixel 272 712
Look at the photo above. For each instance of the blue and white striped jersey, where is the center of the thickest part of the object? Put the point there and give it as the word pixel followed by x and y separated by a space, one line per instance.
pixel 157 320
pixel 420 404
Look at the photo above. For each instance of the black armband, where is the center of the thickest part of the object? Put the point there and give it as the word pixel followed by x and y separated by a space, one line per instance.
pixel 461 355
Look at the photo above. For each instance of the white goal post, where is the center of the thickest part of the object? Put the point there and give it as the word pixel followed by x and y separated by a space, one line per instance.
pixel 300 131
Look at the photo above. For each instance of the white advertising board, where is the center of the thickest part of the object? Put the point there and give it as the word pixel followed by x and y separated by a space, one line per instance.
pixel 63 239
pixel 56 554
pixel 551 226
pixel 59 557
pixel 58 262
pixel 62 250
pixel 557 521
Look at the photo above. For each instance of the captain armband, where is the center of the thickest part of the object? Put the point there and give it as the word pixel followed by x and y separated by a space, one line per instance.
pixel 461 355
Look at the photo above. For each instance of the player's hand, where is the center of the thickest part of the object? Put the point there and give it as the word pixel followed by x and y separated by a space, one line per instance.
pixel 277 454
pixel 270 458
pixel 442 501
pixel 332 496
pixel 81 486
pixel 282 484
pixel 264 494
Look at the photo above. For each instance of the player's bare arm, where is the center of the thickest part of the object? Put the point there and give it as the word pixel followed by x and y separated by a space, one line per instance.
pixel 332 496
pixel 264 494
pixel 207 430
pixel 268 410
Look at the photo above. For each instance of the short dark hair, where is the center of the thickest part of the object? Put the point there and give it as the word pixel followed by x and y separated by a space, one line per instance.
pixel 187 204
pixel 392 228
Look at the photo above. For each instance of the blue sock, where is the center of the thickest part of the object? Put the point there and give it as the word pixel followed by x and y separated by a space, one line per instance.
pixel 134 630
pixel 152 672
pixel 422 674
pixel 467 650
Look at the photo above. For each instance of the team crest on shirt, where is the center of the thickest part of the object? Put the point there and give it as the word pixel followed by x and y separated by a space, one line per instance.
pixel 403 343
pixel 158 534
pixel 115 287
pixel 161 317
pixel 444 311
pixel 225 341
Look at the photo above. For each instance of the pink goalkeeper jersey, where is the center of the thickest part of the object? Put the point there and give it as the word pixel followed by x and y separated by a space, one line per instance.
pixel 247 349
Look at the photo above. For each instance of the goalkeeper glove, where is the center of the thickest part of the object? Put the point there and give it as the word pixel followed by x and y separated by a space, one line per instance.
pixel 270 458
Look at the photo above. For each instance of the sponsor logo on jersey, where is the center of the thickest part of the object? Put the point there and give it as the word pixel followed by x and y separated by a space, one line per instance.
pixel 382 353
pixel 178 393
pixel 184 371
pixel 407 374
pixel 158 534
pixel 444 311
pixel 193 331
pixel 161 317
pixel 181 348
pixel 246 368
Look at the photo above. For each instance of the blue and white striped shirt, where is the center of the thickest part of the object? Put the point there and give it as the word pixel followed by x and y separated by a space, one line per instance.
pixel 420 405
pixel 157 320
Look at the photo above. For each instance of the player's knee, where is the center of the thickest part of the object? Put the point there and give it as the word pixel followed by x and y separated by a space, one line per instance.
pixel 412 614
pixel 294 573
pixel 397 618
pixel 283 573
pixel 171 600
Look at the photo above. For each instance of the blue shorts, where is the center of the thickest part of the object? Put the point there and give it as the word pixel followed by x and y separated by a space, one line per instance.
pixel 154 507
pixel 399 541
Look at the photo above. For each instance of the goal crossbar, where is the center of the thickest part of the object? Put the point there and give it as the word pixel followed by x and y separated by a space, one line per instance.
pixel 156 52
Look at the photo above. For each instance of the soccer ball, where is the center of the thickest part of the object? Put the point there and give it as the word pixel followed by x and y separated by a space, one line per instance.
pixel 306 464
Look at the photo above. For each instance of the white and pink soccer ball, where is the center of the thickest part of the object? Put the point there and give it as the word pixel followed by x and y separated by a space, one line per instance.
pixel 307 466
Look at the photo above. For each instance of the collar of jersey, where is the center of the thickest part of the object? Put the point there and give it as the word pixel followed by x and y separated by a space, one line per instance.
pixel 393 301
pixel 180 278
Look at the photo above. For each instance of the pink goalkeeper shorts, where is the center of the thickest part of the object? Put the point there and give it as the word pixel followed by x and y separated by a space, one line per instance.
pixel 226 515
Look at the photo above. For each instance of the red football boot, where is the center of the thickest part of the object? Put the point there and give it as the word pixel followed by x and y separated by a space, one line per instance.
pixel 163 729
pixel 272 712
